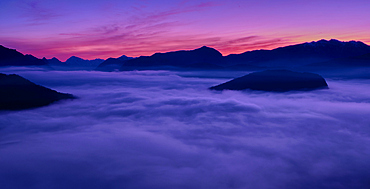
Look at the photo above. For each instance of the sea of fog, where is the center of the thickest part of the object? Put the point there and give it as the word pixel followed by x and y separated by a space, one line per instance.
pixel 163 129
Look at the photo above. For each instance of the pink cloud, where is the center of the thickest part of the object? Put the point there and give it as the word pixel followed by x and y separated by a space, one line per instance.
pixel 131 44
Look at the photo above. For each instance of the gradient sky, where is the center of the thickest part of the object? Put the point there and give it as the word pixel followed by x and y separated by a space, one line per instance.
pixel 101 29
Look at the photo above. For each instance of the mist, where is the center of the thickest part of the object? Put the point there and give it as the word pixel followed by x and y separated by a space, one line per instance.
pixel 165 129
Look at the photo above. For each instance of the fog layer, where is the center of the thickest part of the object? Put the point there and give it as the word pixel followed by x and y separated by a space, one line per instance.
pixel 161 129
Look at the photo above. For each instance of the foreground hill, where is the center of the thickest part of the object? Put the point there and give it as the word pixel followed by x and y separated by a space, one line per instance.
pixel 11 57
pixel 275 80
pixel 18 93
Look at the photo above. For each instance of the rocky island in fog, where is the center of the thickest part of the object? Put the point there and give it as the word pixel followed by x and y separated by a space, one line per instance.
pixel 275 80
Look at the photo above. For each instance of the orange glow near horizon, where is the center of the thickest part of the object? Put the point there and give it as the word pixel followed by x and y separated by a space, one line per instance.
pixel 106 51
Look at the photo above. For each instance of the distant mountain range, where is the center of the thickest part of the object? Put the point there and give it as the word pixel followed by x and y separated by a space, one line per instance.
pixel 11 57
pixel 323 53
pixel 75 63
pixel 203 57
pixel 299 55
pixel 112 64
pixel 293 56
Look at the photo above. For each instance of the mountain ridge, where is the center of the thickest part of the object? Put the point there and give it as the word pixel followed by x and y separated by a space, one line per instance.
pixel 204 58
pixel 300 54
pixel 291 56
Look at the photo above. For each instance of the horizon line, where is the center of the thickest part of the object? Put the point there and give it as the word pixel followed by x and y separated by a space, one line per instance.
pixel 210 46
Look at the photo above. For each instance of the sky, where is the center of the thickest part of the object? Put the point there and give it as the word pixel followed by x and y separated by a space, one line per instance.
pixel 163 129
pixel 102 29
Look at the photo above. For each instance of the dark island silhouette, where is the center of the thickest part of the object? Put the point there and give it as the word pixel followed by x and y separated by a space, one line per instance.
pixel 17 93
pixel 275 81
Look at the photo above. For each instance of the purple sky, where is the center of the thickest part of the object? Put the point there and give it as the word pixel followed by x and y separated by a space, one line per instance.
pixel 101 29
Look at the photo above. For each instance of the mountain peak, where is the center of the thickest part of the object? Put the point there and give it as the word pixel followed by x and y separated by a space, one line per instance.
pixel 335 41
pixel 208 50
pixel 205 48
pixel 124 57
pixel 74 58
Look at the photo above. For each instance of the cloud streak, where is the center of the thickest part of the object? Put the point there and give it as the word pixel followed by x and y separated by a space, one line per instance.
pixel 143 33
pixel 36 14
pixel 91 46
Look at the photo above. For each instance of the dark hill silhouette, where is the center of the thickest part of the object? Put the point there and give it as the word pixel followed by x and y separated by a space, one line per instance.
pixel 300 54
pixel 79 62
pixel 182 59
pixel 275 80
pixel 112 64
pixel 74 63
pixel 18 93
pixel 11 57
pixel 124 58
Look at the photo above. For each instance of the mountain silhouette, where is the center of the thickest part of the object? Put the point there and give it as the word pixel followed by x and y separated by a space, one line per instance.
pixel 74 63
pixel 204 56
pixel 275 80
pixel 18 93
pixel 112 64
pixel 299 55
pixel 287 57
pixel 11 57
pixel 124 58
pixel 79 62
pixel 326 53
pixel 56 62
